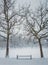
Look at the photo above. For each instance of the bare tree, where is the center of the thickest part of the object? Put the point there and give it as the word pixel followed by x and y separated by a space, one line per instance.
pixel 37 24
pixel 8 19
pixel 40 26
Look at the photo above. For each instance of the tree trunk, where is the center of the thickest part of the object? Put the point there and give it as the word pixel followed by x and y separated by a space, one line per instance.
pixel 7 46
pixel 41 51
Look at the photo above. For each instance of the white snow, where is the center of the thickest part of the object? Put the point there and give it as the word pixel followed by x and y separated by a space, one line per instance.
pixel 13 61
pixel 13 52
pixel 36 60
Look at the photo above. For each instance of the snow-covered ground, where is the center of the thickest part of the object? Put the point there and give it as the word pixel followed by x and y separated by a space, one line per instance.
pixel 36 60
pixel 13 61
pixel 35 52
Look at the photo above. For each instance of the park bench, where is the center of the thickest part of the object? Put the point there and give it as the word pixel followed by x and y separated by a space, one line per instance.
pixel 24 57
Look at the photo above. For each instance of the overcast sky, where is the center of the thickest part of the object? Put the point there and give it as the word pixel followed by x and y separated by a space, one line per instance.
pixel 34 3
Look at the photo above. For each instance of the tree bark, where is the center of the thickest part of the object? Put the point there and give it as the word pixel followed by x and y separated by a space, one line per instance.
pixel 7 46
pixel 41 51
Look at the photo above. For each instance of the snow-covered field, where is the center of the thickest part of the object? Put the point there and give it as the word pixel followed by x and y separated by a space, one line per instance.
pixel 36 60
pixel 13 61
pixel 35 52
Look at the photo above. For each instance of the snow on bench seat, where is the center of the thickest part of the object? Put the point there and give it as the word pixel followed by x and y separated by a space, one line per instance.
pixel 24 56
